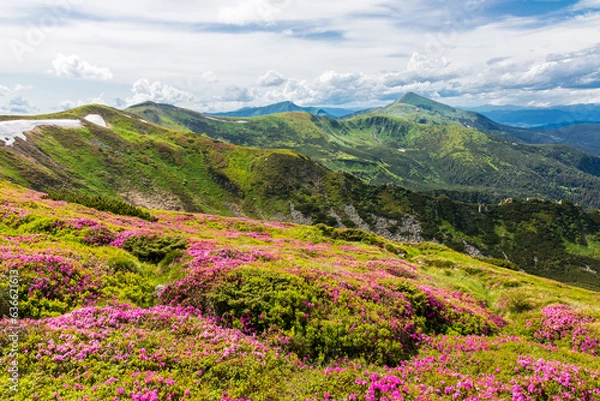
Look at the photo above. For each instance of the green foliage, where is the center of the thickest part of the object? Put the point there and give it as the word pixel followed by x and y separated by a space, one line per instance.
pixel 101 203
pixel 123 265
pixel 153 248
pixel 353 235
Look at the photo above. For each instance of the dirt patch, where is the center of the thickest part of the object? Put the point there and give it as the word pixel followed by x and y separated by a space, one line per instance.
pixel 153 200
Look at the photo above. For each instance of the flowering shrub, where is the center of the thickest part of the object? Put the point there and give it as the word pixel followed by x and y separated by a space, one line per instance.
pixel 561 324
pixel 123 352
pixel 53 283
pixel 325 316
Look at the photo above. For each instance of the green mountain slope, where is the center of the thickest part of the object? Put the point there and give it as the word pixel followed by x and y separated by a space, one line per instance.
pixel 585 137
pixel 582 136
pixel 160 168
pixel 442 156
pixel 419 109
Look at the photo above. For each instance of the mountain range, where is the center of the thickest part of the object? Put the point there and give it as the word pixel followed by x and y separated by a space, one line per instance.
pixel 414 142
pixel 152 156
pixel 577 125
pixel 285 107
pixel 542 117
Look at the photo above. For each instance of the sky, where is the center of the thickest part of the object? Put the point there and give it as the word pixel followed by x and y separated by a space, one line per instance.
pixel 222 55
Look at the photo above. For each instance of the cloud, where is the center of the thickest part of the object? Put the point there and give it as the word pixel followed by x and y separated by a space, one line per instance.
pixel 74 67
pixel 587 5
pixel 6 91
pixel 69 104
pixel 18 105
pixel 271 78
pixel 144 90
pixel 237 94
pixel 577 69
pixel 248 11
pixel 570 72
pixel 421 63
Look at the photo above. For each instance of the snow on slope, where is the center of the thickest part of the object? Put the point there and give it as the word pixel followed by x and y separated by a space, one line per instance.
pixel 225 121
pixel 10 130
pixel 96 119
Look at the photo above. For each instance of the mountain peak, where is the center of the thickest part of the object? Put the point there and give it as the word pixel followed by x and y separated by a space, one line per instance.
pixel 420 101
pixel 286 103
pixel 411 97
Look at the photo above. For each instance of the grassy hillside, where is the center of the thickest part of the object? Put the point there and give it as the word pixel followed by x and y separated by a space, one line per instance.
pixel 582 136
pixel 505 124
pixel 159 168
pixel 199 307
pixel 442 155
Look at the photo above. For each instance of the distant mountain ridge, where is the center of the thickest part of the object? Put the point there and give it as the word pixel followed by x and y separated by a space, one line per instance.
pixel 584 136
pixel 416 143
pixel 286 107
pixel 535 117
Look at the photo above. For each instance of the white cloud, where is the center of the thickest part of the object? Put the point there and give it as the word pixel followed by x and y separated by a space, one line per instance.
pixel 74 67
pixel 144 90
pixel 247 11
pixel 587 5
pixel 6 91
pixel 568 74
pixel 271 78
pixel 423 63
pixel 70 104
pixel 18 105
pixel 238 94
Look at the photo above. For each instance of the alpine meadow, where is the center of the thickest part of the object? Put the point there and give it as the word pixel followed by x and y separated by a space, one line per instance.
pixel 264 200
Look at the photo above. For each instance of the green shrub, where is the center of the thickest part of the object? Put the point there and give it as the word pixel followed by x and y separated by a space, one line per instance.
pixel 101 203
pixel 153 248
pixel 123 265
pixel 351 235
pixel 170 258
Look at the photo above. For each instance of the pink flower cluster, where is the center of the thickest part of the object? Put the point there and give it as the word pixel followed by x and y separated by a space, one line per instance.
pixel 562 323
pixel 52 275
pixel 206 253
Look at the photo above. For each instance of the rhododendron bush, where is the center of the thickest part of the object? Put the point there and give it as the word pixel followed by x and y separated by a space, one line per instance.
pixel 197 307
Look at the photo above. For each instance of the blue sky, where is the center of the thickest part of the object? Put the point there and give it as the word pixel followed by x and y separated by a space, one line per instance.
pixel 215 56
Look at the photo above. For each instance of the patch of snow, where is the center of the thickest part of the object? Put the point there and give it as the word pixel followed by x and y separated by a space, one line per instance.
pixel 10 130
pixel 225 121
pixel 96 119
